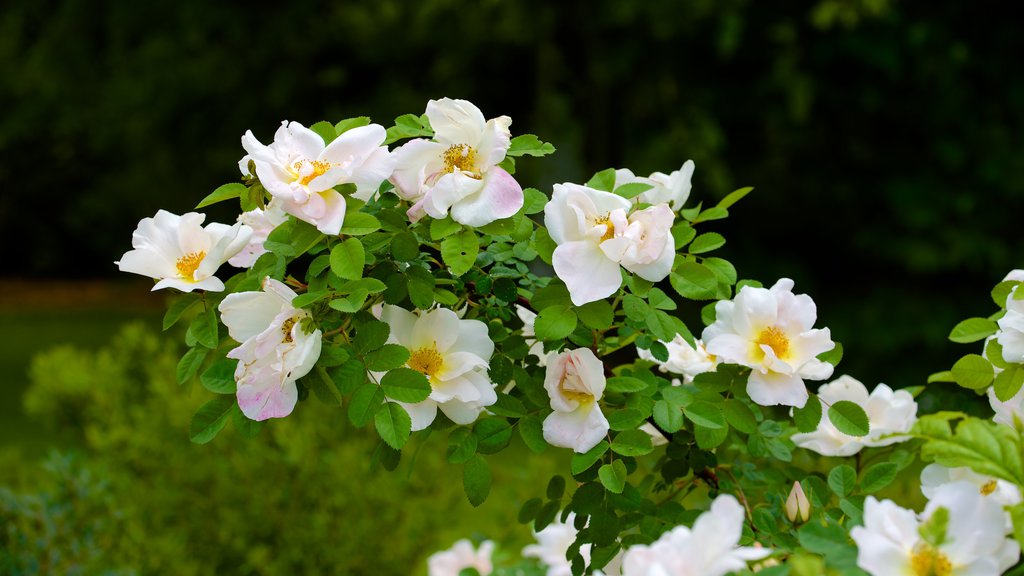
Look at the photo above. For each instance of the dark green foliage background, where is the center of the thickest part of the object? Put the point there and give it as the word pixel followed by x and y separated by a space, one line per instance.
pixel 884 138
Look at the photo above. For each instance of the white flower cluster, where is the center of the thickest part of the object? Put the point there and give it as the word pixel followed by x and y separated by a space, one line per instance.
pixel 1011 339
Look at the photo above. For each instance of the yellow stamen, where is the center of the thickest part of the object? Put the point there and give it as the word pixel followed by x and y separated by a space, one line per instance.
pixel 286 329
pixel 609 230
pixel 988 488
pixel 775 339
pixel 927 561
pixel 319 168
pixel 427 361
pixel 461 157
pixel 188 264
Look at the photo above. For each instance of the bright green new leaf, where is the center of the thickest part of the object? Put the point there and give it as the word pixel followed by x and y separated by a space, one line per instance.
pixel 529 145
pixel 878 476
pixel 973 371
pixel 625 384
pixel 849 418
pixel 603 180
pixel 393 425
pixel 533 201
pixel 694 281
pixel 734 197
pixel 1008 382
pixel 225 192
pixel 972 330
pixel 210 419
pixel 348 259
pixel 350 123
pixel 444 227
pixel 405 384
pixel 459 251
pixel 613 476
pixel 706 243
pixel 632 190
pixel 982 445
pixel 325 130
pixel 476 480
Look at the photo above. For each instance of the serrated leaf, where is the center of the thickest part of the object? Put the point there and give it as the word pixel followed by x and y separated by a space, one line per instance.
pixel 459 251
pixel 613 476
pixel 972 330
pixel 625 384
pixel 364 403
pixel 210 419
pixel 348 259
pixel 632 443
pixel 596 315
pixel 554 323
pixel 739 416
pixel 462 443
pixel 204 328
pixel 705 414
pixel 973 372
pixel 529 145
pixel 533 201
pixel 603 180
pixel 350 123
pixel 219 378
pixel 694 281
pixel 493 434
pixel 405 385
pixel 325 130
pixel 706 243
pixel 387 357
pixel 189 364
pixel 984 446
pixel 581 462
pixel 225 192
pixel 393 425
pixel 625 419
pixel 359 224
pixel 808 417
pixel 842 479
pixel 177 308
pixel 878 476
pixel 443 228
pixel 632 190
pixel 476 480
pixel 370 336
pixel 849 418
pixel 420 284
pixel 668 417
pixel 531 430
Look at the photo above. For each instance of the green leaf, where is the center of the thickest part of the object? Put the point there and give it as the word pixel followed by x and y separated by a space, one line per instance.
pixel 603 180
pixel 658 299
pixel 404 247
pixel 359 224
pixel 350 123
pixel 459 251
pixel 632 443
pixel 405 384
pixel 713 213
pixel 973 372
pixel 705 414
pixel 833 356
pixel 582 462
pixel 934 530
pixel 724 269
pixel 529 510
pixel 421 287
pixel 984 446
pixel 556 488
pixel 529 145
pixel 533 201
pixel 393 424
pixel 189 364
pixel 388 357
pixel 179 307
pixel 325 130
pixel 694 281
pixel 1008 382
pixel 409 126
pixel 706 243
pixel 739 416
pixel 842 480
pixel 204 328
pixel 210 419
pixel 443 228
pixel 632 190
pixel 944 376
pixel 709 438
pixel 661 325
pixel 625 419
pixel 554 323
pixel 808 417
pixel 668 417
pixel 972 330
pixel 370 336
pixel 476 480
pixel 878 476
pixel 531 430
pixel 596 315
pixel 1017 515
pixel 613 476
pixel 734 197
pixel 219 378
pixel 348 259
pixel 849 418
pixel 625 384
pixel 682 234
pixel 462 444
pixel 225 192
pixel 493 434
pixel 364 403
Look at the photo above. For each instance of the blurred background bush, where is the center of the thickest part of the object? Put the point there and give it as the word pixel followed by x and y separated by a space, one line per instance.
pixel 885 140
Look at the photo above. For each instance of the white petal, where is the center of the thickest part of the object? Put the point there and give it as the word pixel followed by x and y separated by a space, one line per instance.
pixel 587 272
pixel 776 389
pixel 580 430
pixel 455 121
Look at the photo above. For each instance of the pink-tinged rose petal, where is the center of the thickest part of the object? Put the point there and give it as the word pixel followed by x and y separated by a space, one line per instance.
pixel 500 197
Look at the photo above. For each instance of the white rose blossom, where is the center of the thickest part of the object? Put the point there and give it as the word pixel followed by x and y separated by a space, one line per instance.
pixel 453 354
pixel 553 543
pixel 683 359
pixel 301 171
pixel 275 349
pixel 1011 329
pixel 934 476
pixel 575 381
pixel 710 548
pixel 458 171
pixel 891 415
pixel 596 234
pixel 528 317
pixel 461 556
pixel 975 543
pixel 1013 408
pixel 262 222
pixel 770 331
pixel 180 252
pixel 672 189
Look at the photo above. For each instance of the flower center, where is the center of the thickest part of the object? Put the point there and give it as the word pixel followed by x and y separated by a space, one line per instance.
pixel 988 488
pixel 461 157
pixel 775 339
pixel 319 167
pixel 286 329
pixel 188 263
pixel 609 228
pixel 427 361
pixel 927 561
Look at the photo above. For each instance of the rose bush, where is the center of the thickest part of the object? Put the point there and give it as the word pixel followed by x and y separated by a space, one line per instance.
pixel 423 289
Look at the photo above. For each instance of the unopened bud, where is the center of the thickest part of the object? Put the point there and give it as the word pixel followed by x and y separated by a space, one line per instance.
pixel 798 508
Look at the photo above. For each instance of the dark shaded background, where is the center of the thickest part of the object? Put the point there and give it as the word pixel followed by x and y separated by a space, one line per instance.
pixel 884 138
